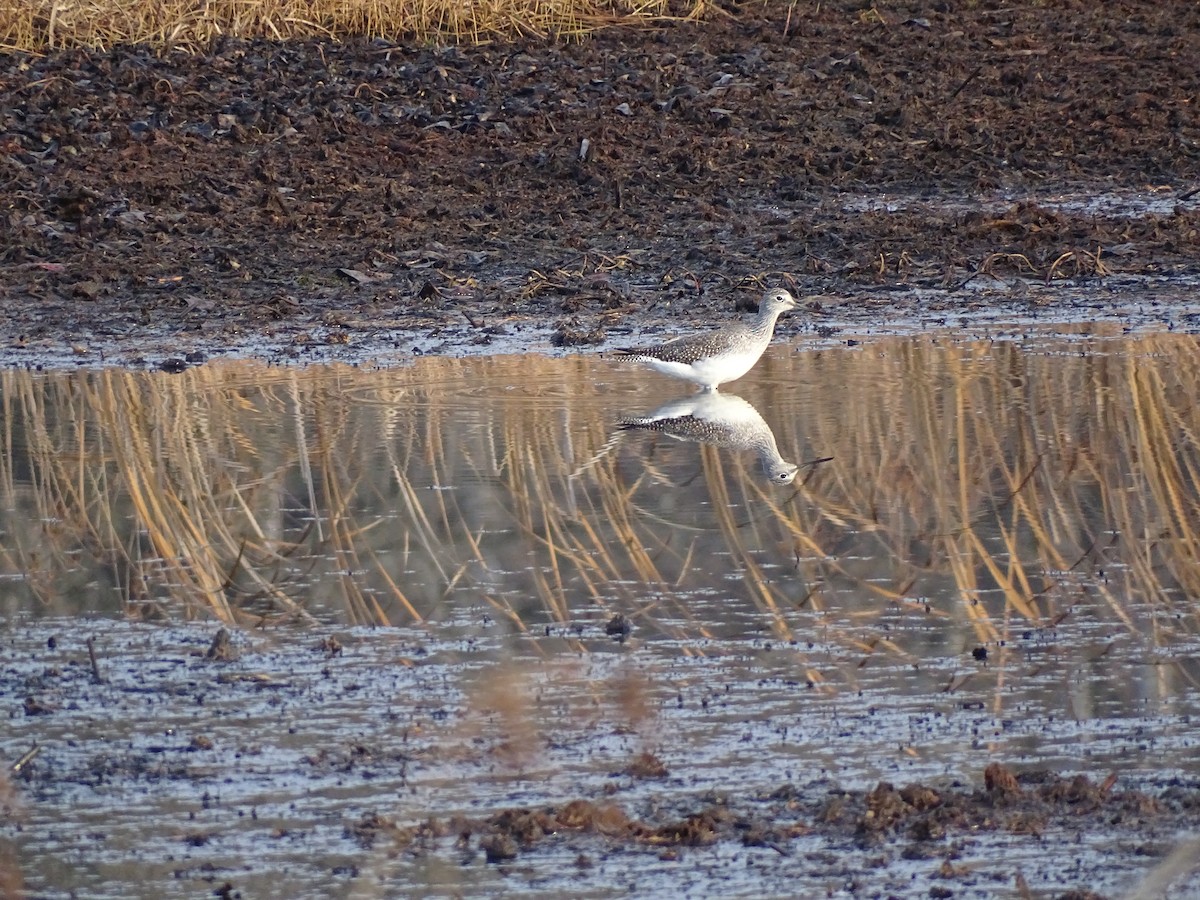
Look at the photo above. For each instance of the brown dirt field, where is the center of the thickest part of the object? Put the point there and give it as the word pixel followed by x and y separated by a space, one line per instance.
pixel 368 191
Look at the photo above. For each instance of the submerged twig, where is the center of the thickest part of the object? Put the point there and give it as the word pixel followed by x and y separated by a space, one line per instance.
pixel 91 646
pixel 26 758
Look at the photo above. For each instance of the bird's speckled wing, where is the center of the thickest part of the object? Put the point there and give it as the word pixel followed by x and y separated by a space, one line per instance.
pixel 684 428
pixel 685 350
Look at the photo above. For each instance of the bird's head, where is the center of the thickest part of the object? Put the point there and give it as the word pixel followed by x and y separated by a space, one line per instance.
pixel 780 472
pixel 777 299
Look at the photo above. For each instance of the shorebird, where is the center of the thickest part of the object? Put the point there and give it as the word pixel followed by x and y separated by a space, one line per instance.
pixel 724 420
pixel 725 355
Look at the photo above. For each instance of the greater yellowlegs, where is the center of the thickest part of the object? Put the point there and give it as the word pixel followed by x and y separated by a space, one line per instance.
pixel 725 355
pixel 724 420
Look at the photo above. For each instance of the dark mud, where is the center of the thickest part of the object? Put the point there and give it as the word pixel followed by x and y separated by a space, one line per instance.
pixel 900 159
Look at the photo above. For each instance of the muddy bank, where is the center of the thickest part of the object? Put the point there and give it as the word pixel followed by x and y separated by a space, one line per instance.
pixel 287 196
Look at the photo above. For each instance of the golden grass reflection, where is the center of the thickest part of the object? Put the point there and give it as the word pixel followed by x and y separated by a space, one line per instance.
pixel 999 486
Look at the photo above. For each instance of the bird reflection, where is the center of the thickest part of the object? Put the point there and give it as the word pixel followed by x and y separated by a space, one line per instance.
pixel 724 420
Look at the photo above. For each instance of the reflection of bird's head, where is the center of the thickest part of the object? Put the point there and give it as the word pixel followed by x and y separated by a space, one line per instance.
pixel 781 472
pixel 778 299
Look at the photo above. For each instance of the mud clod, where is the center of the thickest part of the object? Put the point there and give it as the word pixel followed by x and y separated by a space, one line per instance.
pixel 646 765
pixel 221 649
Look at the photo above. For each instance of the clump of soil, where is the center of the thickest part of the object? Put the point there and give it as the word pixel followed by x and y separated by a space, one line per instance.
pixel 915 822
pixel 332 193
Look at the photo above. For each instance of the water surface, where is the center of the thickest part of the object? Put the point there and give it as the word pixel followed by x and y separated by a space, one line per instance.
pixel 987 552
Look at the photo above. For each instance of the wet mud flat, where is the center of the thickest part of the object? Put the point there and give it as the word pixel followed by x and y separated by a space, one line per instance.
pixel 461 759
pixel 905 161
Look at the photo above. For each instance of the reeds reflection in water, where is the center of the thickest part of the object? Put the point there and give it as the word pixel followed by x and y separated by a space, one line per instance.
pixel 999 486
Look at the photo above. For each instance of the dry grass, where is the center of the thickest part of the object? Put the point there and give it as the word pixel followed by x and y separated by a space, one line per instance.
pixel 982 483
pixel 41 25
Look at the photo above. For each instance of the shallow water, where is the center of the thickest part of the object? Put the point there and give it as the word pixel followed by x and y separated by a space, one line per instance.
pixel 988 553
pixel 1124 204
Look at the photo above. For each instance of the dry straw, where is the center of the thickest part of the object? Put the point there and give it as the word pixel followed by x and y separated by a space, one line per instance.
pixel 187 24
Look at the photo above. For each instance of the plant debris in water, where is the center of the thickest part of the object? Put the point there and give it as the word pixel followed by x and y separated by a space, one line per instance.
pixel 292 769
